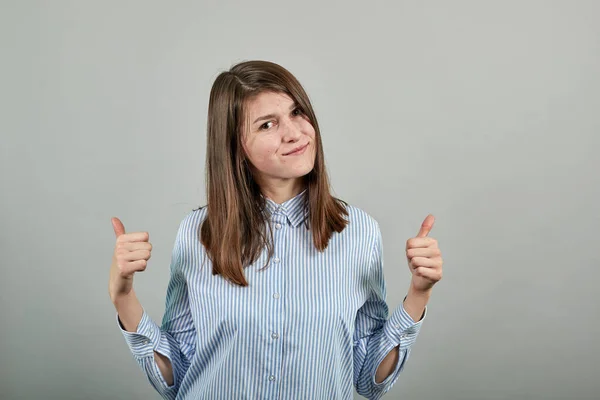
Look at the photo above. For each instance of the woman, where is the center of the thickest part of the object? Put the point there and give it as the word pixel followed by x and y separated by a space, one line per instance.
pixel 276 288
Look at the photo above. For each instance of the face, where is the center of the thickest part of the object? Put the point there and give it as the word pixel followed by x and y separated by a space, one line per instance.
pixel 276 128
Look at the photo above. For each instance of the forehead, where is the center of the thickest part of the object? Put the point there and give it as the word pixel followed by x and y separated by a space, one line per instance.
pixel 268 102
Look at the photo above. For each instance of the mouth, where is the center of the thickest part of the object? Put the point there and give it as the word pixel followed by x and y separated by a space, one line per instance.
pixel 297 150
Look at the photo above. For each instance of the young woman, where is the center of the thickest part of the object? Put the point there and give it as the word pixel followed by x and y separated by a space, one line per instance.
pixel 277 288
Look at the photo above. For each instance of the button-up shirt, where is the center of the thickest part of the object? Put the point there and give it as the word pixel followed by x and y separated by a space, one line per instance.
pixel 312 325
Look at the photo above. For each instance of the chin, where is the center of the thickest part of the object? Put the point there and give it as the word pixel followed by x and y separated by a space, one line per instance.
pixel 297 173
pixel 304 171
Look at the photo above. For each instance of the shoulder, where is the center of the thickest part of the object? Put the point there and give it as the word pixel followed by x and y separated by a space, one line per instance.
pixel 192 220
pixel 189 228
pixel 361 217
pixel 362 223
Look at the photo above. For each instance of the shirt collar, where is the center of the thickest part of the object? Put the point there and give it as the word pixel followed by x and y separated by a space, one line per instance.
pixel 295 209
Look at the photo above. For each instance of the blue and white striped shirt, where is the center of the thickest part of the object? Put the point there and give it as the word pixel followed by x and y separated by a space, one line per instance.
pixel 310 326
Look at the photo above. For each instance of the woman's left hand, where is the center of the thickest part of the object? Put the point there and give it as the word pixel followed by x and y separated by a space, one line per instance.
pixel 424 258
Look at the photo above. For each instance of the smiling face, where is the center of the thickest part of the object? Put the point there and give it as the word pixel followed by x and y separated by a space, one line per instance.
pixel 275 127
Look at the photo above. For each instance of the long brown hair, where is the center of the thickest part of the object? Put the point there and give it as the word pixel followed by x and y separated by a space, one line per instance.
pixel 234 232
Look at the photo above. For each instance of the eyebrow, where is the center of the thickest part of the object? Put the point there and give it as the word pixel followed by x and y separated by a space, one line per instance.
pixel 270 116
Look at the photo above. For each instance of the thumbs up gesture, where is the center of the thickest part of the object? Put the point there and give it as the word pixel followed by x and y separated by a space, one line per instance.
pixel 132 252
pixel 424 258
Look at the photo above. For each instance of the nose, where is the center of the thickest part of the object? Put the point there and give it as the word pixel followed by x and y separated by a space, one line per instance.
pixel 291 131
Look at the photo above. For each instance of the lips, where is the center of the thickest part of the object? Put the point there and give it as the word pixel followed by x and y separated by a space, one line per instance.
pixel 296 149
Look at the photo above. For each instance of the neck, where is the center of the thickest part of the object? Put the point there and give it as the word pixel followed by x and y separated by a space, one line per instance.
pixel 283 191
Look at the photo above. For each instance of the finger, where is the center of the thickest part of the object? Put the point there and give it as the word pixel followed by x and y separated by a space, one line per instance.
pixel 134 266
pixel 133 246
pixel 429 273
pixel 137 255
pixel 117 226
pixel 423 252
pixel 420 242
pixel 426 226
pixel 423 262
pixel 133 237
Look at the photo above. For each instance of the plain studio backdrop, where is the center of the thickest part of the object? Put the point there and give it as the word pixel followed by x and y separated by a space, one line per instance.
pixel 485 114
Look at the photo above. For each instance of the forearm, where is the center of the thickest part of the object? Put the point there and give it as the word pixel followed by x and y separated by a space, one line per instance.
pixel 387 365
pixel 130 313
pixel 414 304
pixel 129 310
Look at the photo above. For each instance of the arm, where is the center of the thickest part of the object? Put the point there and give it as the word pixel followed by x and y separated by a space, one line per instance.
pixel 163 352
pixel 377 337
pixel 414 304
pixel 129 316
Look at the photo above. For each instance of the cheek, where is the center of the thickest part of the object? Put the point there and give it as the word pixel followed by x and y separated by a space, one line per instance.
pixel 309 130
pixel 263 151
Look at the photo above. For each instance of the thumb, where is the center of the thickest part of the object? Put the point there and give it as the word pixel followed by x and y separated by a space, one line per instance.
pixel 426 226
pixel 117 226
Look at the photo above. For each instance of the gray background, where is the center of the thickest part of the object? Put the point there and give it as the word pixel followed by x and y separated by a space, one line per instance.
pixel 485 114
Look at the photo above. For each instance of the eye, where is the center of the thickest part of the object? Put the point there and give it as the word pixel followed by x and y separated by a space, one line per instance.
pixel 265 126
pixel 297 111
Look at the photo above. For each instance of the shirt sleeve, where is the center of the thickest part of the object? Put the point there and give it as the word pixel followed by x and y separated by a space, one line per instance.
pixel 175 339
pixel 375 335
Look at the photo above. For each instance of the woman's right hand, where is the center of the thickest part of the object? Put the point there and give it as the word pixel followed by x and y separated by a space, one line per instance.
pixel 132 252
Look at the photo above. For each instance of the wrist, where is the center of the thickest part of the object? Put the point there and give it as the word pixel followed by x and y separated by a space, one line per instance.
pixel 414 291
pixel 119 298
pixel 415 302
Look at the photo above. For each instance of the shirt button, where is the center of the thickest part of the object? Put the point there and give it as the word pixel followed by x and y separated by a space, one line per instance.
pixel 146 341
pixel 276 260
pixel 274 335
pixel 271 378
pixel 278 226
pixel 276 295
pixel 403 336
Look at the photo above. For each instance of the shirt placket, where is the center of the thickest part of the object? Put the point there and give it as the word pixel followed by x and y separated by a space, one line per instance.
pixel 275 327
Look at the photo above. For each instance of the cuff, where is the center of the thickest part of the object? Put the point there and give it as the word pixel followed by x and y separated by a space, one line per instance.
pixel 145 339
pixel 401 329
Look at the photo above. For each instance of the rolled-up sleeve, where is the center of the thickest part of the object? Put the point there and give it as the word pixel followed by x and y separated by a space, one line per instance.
pixel 375 335
pixel 175 338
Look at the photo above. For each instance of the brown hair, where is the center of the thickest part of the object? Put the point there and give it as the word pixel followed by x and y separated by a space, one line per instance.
pixel 234 231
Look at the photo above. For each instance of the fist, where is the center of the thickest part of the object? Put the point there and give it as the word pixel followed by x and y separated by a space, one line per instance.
pixel 131 254
pixel 424 258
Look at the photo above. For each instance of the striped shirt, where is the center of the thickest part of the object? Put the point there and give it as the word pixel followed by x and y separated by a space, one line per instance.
pixel 311 325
